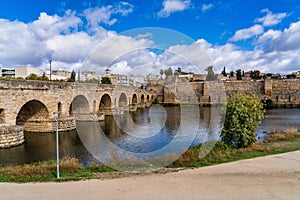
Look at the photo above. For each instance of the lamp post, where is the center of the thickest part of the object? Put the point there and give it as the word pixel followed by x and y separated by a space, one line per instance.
pixel 50 61
pixel 56 115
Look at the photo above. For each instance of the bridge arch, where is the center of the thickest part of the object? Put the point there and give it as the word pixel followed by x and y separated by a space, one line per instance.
pixel 79 104
pixel 59 107
pixel 2 116
pixel 105 103
pixel 123 102
pixel 142 98
pixel 32 111
pixel 134 99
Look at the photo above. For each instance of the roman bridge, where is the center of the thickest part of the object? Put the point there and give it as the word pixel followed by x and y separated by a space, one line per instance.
pixel 31 104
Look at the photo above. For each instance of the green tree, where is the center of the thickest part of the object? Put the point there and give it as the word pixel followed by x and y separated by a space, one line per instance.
pixel 255 74
pixel 105 80
pixel 239 74
pixel 224 72
pixel 161 73
pixel 73 77
pixel 44 77
pixel 32 77
pixel 93 80
pixel 169 72
pixel 176 73
pixel 243 114
pixel 211 76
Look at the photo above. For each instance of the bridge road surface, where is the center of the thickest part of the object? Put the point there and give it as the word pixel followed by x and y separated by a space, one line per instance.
pixel 271 177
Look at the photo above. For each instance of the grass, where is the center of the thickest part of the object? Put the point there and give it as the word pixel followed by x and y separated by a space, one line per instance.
pixel 276 142
pixel 71 170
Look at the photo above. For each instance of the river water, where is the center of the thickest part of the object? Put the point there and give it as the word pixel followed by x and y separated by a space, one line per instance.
pixel 144 133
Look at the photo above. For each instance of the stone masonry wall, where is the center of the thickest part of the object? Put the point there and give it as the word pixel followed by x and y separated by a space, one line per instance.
pixel 281 92
pixel 248 87
pixel 11 136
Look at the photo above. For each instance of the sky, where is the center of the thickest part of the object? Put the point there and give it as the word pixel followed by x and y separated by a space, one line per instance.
pixel 145 36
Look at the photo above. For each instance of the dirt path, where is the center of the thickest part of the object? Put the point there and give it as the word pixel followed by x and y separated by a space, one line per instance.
pixel 271 177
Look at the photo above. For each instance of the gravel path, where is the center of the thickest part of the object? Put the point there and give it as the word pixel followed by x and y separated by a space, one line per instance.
pixel 270 177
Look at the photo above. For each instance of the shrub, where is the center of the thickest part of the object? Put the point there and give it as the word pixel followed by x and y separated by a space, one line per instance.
pixel 105 80
pixel 243 114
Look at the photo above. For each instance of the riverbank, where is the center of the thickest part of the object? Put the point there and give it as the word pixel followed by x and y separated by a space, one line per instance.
pixel 71 170
pixel 269 177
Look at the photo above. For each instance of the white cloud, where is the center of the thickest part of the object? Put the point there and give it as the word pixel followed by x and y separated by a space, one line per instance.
pixel 274 51
pixel 271 19
pixel 247 33
pixel 71 48
pixel 268 36
pixel 18 46
pixel 61 39
pixel 287 40
pixel 172 6
pixel 48 37
pixel 206 7
pixel 103 15
pixel 124 8
pixel 194 57
pixel 47 26
pixel 54 37
pixel 111 50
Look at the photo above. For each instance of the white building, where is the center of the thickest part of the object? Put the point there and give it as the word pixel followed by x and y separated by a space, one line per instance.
pixel 4 72
pixel 24 71
pixel 137 80
pixel 117 79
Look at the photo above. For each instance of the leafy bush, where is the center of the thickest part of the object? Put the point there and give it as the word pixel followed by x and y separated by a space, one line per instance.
pixel 243 114
pixel 36 77
pixel 105 80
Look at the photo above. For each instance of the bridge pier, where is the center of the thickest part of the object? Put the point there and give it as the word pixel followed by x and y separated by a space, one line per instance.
pixel 133 107
pixel 11 136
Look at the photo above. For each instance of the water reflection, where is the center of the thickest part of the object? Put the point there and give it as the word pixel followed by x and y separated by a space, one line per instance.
pixel 41 146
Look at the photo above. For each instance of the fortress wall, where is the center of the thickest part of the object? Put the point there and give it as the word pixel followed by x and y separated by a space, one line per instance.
pixel 281 92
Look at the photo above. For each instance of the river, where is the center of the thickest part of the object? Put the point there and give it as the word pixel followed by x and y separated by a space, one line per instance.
pixel 172 127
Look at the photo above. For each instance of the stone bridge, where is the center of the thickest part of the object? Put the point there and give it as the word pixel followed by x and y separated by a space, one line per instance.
pixel 31 103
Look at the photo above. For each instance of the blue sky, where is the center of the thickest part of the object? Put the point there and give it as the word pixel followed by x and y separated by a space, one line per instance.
pixel 254 34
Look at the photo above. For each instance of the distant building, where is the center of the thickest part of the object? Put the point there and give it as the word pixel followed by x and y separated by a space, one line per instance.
pixel 62 73
pixel 117 79
pixel 152 79
pixel 24 71
pixel 187 75
pixel 199 77
pixel 137 80
pixel 88 75
pixel 4 72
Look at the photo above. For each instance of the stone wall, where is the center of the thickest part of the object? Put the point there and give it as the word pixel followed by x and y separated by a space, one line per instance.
pixel 47 126
pixel 11 136
pixel 157 89
pixel 248 87
pixel 285 92
pixel 281 92
pixel 64 124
